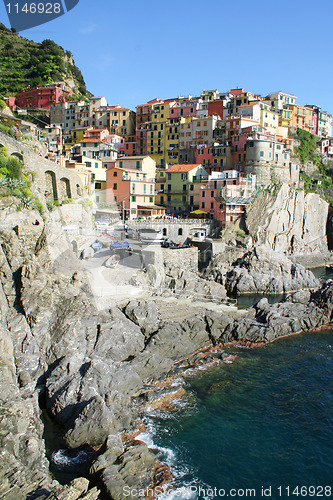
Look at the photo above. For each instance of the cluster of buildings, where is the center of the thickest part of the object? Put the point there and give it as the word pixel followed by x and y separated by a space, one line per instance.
pixel 210 153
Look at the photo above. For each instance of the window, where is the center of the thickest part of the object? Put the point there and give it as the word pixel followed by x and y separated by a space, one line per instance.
pixel 184 177
pixel 144 188
pixel 212 204
pixel 115 186
pixel 169 177
pixel 151 189
pixel 120 164
pixel 96 165
pixel 261 153
pixel 191 187
pixel 151 199
pixel 138 164
pixel 133 188
pixel 203 204
pixel 133 198
pixel 203 194
pixel 212 194
pixel 98 185
pixel 184 199
pixel 115 174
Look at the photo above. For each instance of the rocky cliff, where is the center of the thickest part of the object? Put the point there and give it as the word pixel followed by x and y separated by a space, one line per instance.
pixel 91 368
pixel 288 220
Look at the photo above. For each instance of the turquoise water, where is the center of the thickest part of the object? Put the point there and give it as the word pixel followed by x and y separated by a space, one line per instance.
pixel 264 420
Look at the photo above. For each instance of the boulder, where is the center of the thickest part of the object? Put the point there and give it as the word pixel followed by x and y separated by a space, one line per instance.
pixel 262 270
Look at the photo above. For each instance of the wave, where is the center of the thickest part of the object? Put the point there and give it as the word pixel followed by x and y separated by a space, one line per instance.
pixel 68 459
pixel 181 487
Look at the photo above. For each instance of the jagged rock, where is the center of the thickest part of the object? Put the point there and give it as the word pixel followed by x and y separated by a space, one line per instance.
pixel 270 321
pixel 114 448
pixel 134 471
pixel 144 314
pixel 77 489
pixel 216 324
pixel 288 220
pixel 264 271
pixel 120 338
pixel 94 423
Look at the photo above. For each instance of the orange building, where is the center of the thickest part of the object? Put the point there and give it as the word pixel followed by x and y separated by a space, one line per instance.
pixel 130 182
pixel 303 117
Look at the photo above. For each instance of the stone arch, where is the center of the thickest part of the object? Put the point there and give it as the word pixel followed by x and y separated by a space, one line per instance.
pixel 65 188
pixel 51 192
pixel 75 247
pixel 17 155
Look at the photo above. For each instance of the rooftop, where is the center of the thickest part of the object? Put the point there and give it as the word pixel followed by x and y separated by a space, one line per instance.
pixel 183 168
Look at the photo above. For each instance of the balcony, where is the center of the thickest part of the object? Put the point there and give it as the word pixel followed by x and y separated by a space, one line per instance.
pixel 199 178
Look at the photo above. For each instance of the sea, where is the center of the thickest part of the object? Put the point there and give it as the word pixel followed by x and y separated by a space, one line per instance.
pixel 260 427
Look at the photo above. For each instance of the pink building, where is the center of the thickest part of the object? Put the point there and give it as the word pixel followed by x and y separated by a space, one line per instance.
pixel 43 96
pixel 183 107
pixel 226 194
pixel 128 147
pixel 101 134
pixel 214 158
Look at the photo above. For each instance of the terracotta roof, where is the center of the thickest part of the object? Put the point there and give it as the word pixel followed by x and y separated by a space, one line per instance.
pixel 183 168
pixel 91 139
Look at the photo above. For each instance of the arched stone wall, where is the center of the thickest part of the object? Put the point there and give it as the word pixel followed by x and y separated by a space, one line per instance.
pixel 65 188
pixel 18 155
pixel 51 193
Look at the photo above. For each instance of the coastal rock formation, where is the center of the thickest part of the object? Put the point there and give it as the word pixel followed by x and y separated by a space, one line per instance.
pixel 262 270
pixel 89 366
pixel 288 220
pixel 267 322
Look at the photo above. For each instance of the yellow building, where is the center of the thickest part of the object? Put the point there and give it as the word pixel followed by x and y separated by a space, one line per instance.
pixel 179 179
pixel 286 118
pixel 157 134
pixel 118 120
pixel 269 119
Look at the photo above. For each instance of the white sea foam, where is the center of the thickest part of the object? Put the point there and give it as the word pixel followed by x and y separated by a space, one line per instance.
pixel 165 454
pixel 181 487
pixel 62 459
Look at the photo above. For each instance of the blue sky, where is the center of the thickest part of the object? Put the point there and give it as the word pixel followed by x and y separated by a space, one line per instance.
pixel 133 51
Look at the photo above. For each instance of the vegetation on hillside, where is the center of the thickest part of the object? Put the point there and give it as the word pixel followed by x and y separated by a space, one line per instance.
pixel 13 182
pixel 24 62
pixel 321 182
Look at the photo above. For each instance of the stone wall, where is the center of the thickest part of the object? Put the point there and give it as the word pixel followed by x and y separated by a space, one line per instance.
pixel 51 181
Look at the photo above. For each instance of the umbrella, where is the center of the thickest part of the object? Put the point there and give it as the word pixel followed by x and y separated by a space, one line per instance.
pixel 198 212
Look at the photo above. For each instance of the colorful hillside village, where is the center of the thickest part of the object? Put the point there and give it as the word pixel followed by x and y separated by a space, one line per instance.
pixel 206 155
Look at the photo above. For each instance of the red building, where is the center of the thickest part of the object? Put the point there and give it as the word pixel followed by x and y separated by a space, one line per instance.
pixel 43 96
pixel 128 147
